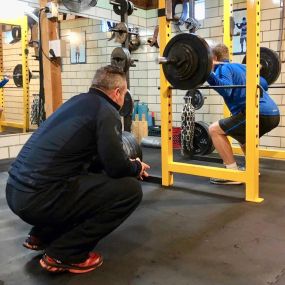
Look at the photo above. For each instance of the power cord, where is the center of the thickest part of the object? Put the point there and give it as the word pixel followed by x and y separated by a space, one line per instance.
pixel 51 51
pixel 46 10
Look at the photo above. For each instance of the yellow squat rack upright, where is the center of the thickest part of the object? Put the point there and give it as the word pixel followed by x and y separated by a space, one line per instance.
pixel 250 176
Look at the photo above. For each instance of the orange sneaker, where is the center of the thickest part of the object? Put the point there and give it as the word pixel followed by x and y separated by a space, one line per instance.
pixel 53 265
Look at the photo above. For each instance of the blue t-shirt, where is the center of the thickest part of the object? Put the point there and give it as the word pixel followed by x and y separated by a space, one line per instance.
pixel 235 74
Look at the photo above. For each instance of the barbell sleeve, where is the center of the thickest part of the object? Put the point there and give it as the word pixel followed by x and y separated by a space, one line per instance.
pixel 17 75
pixel 162 59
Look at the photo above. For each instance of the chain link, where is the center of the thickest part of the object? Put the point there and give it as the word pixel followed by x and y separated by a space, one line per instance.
pixel 187 127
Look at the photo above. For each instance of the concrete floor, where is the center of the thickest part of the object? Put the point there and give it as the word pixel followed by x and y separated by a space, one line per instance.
pixel 195 233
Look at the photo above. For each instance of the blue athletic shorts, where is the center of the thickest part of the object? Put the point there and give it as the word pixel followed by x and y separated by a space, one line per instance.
pixel 234 126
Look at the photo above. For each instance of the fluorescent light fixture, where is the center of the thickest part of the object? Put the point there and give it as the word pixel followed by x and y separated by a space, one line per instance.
pixel 200 10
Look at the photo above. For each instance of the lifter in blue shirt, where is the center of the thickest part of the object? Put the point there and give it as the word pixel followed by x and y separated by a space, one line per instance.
pixel 235 99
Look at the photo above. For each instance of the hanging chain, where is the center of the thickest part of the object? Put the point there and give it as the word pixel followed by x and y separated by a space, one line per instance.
pixel 187 127
pixel 37 111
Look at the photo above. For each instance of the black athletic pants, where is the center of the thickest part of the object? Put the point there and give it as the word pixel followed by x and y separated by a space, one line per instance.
pixel 74 217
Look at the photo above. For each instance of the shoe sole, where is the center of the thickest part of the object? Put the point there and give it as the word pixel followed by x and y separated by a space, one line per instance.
pixel 78 271
pixel 63 268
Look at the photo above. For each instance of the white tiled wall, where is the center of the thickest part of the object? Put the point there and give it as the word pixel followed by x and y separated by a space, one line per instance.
pixel 10 145
pixel 144 79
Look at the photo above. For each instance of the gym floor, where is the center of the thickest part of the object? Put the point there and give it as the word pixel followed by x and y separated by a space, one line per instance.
pixel 194 233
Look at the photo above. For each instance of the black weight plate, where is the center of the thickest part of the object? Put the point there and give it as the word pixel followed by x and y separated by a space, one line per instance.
pixel 202 142
pixel 186 60
pixel 18 76
pixel 211 147
pixel 122 8
pixel 121 58
pixel 185 47
pixel 271 64
pixel 130 146
pixel 197 99
pixel 126 145
pixel 127 108
pixel 16 35
pixel 130 8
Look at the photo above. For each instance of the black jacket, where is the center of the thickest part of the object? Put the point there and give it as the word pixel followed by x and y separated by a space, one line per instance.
pixel 85 129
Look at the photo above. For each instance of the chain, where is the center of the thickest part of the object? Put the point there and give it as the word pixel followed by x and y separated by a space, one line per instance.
pixel 187 127
pixel 36 116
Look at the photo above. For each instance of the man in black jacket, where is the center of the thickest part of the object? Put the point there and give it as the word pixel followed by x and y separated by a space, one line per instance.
pixel 72 180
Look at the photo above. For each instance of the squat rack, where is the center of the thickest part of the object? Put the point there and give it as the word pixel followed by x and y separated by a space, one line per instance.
pixel 250 176
pixel 23 23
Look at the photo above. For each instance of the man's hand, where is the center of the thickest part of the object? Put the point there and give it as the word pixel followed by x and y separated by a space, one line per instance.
pixel 144 169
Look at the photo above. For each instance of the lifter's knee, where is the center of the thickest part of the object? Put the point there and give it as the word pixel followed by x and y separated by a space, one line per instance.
pixel 214 129
pixel 131 188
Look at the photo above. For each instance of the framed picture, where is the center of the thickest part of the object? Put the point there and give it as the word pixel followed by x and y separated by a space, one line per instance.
pixel 77 47
pixel 240 31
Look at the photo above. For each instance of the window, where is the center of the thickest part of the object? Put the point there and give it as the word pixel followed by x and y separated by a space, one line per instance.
pixel 200 9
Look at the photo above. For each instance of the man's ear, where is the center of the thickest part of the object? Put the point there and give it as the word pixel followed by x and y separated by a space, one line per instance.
pixel 117 93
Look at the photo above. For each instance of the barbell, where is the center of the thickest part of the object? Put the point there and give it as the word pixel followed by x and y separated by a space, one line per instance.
pixel 121 32
pixel 187 62
pixel 18 75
